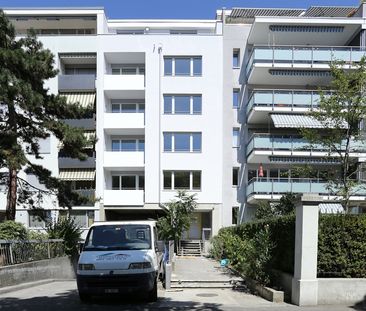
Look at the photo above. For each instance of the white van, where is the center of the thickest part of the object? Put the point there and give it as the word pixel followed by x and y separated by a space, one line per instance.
pixel 119 257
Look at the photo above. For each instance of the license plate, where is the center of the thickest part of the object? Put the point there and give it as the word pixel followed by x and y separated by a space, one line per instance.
pixel 111 291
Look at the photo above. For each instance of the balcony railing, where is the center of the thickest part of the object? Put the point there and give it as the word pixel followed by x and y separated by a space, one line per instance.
pixel 303 55
pixel 283 98
pixel 261 185
pixel 76 82
pixel 89 194
pixel 282 185
pixel 292 143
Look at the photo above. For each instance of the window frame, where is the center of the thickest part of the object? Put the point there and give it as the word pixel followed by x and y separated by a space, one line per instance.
pixel 137 141
pixel 236 103
pixel 172 144
pixel 138 107
pixel 169 175
pixel 237 143
pixel 138 183
pixel 173 105
pixel 139 69
pixel 236 64
pixel 191 65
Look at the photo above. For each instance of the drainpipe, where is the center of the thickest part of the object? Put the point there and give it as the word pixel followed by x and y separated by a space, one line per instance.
pixel 160 49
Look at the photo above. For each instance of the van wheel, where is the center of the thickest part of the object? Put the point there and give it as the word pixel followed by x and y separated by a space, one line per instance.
pixel 153 294
pixel 84 297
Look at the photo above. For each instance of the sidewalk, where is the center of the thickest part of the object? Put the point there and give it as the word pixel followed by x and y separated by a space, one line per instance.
pixel 201 269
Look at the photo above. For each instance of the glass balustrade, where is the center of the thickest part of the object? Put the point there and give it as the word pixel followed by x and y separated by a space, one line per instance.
pixel 295 185
pixel 304 55
pixel 283 98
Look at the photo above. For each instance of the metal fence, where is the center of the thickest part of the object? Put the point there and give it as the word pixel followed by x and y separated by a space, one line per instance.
pixel 14 251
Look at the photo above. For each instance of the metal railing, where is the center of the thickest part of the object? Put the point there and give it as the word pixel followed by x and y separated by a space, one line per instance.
pixel 293 99
pixel 295 143
pixel 303 55
pixel 16 251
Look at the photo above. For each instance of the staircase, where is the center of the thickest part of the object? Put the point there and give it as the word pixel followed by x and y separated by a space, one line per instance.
pixel 190 248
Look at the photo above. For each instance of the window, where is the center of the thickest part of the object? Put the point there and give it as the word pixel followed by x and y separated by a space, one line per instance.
pixel 182 104
pixel 235 98
pixel 39 218
pixel 129 69
pixel 234 215
pixel 182 142
pixel 235 176
pixel 128 145
pixel 80 70
pixel 130 32
pixel 236 58
pixel 128 182
pixel 80 218
pixel 117 107
pixel 186 180
pixel 183 66
pixel 236 137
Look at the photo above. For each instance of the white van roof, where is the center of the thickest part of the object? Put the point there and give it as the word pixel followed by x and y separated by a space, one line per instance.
pixel 127 222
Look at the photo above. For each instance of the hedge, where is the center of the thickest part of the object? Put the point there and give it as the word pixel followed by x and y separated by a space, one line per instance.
pixel 258 247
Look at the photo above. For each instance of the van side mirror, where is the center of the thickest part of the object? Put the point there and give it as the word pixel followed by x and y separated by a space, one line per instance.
pixel 159 246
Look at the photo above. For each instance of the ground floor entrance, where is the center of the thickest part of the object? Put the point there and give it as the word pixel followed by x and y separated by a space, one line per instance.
pixel 201 225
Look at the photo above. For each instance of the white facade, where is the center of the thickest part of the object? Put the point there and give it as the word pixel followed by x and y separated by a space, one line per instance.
pixel 165 115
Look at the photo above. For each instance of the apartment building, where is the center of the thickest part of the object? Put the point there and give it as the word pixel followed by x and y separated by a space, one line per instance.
pixel 208 106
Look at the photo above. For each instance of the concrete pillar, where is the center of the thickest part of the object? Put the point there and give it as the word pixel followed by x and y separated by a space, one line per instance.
pixel 304 282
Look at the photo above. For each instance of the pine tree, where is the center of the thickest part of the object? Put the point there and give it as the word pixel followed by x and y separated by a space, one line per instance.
pixel 28 114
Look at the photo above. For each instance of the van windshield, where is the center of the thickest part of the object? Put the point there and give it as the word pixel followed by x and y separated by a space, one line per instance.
pixel 118 237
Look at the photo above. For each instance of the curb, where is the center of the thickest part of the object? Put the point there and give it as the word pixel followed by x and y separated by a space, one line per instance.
pixel 13 288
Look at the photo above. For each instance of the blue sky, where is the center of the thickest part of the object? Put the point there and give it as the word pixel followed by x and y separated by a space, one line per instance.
pixel 196 9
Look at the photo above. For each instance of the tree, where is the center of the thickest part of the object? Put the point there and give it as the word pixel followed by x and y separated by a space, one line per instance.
pixel 340 113
pixel 285 206
pixel 178 217
pixel 28 114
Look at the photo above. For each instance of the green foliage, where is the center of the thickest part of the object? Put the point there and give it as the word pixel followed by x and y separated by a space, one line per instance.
pixel 69 231
pixel 28 114
pixel 11 230
pixel 342 246
pixel 340 114
pixel 270 244
pixel 178 217
pixel 37 235
pixel 286 206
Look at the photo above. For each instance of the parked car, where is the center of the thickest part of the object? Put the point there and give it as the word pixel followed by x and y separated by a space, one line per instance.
pixel 119 257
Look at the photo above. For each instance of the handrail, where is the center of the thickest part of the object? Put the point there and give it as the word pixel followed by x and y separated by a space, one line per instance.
pixel 289 179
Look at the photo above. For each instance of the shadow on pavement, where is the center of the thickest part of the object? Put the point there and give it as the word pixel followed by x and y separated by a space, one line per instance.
pixel 69 300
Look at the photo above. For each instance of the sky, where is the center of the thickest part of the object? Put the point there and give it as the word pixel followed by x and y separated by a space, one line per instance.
pixel 175 9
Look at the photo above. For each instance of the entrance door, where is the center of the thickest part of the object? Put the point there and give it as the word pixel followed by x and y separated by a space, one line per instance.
pixel 194 232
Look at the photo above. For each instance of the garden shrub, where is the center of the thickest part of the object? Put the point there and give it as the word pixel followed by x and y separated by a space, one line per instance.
pixel 342 246
pixel 11 230
pixel 256 248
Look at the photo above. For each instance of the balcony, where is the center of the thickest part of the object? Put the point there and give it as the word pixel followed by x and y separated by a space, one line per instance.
pixel 124 123
pixel 123 198
pixel 76 82
pixel 66 162
pixel 310 65
pixel 118 86
pixel 262 147
pixel 124 159
pixel 263 188
pixel 263 102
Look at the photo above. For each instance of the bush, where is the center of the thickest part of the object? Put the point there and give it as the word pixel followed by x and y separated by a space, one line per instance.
pixel 69 231
pixel 11 230
pixel 258 247
pixel 342 246
pixel 37 235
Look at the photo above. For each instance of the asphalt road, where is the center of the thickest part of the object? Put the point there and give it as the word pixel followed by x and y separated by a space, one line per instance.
pixel 61 296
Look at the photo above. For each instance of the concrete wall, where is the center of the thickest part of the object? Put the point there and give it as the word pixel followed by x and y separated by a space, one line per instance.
pixel 340 291
pixel 56 268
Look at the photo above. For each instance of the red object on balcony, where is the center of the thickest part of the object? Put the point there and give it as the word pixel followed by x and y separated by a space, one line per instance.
pixel 260 173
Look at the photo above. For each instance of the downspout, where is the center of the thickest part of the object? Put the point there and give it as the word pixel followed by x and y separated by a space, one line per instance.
pixel 160 49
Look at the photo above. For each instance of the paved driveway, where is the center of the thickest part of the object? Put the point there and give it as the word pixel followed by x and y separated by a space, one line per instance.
pixel 61 296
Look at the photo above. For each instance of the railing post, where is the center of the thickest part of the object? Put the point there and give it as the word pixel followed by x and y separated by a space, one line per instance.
pixel 11 253
pixel 48 250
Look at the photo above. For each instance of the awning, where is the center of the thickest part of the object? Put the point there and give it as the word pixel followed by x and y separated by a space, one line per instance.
pixel 295 121
pixel 77 174
pixel 331 208
pixel 78 58
pixel 85 99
